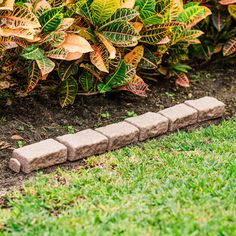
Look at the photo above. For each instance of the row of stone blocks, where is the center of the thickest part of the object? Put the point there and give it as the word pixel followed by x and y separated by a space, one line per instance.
pixel 91 142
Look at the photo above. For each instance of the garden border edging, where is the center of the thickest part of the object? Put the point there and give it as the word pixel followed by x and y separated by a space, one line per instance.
pixel 91 142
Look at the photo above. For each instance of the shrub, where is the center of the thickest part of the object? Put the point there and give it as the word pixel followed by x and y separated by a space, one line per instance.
pixel 219 39
pixel 97 46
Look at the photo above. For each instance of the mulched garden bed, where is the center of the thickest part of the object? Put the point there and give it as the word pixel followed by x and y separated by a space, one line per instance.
pixel 39 116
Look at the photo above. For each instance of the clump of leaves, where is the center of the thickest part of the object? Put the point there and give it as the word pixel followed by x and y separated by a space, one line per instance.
pixel 97 46
pixel 219 39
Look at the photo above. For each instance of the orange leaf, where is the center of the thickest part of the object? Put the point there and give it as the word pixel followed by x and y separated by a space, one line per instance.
pixel 28 34
pixel 135 56
pixel 182 80
pixel 99 58
pixel 128 4
pixel 73 56
pixel 227 2
pixel 137 25
pixel 7 5
pixel 136 85
pixel 75 43
pixel 110 48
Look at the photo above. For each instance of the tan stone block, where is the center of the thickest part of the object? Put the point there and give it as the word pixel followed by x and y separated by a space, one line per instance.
pixel 119 134
pixel 40 155
pixel 84 143
pixel 149 124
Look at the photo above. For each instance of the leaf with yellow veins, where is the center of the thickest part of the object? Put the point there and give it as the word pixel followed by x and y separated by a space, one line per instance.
pixel 230 47
pixel 110 48
pixel 135 56
pixel 99 58
pixel 102 10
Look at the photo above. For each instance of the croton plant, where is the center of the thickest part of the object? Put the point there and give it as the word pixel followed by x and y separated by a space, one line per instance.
pixel 97 46
pixel 219 40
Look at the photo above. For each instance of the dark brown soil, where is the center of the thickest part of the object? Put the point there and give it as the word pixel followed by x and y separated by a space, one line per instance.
pixel 39 116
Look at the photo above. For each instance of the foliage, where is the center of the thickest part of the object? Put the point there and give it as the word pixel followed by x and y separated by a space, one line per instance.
pixel 97 46
pixel 219 39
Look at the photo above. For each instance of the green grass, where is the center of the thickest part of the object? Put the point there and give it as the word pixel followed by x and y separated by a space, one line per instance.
pixel 184 184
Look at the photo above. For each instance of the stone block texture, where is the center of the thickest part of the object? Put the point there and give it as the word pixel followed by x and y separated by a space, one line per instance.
pixel 208 108
pixel 149 124
pixel 180 116
pixel 14 165
pixel 40 155
pixel 84 143
pixel 119 134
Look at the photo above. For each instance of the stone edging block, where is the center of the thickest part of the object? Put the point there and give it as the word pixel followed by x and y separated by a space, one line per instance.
pixel 14 165
pixel 180 116
pixel 119 134
pixel 208 108
pixel 149 124
pixel 40 155
pixel 83 144
pixel 91 142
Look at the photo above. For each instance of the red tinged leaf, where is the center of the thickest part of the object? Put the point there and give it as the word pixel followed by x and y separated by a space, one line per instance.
pixel 182 80
pixel 136 85
pixel 229 47
pixel 135 56
pixel 227 2
pixel 99 58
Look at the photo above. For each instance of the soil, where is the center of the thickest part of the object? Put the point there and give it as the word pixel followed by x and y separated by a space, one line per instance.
pixel 39 116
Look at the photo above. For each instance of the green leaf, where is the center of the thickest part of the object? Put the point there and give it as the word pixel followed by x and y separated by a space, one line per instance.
pixel 182 67
pixel 192 15
pixel 148 18
pixel 54 39
pixel 122 14
pixel 121 33
pixel 147 12
pixel 84 10
pixel 103 10
pixel 66 69
pixel 45 65
pixel 51 19
pixel 118 78
pixel 148 61
pixel 67 91
pixel 86 80
pixel 219 19
pixel 154 34
pixel 73 8
pixel 32 53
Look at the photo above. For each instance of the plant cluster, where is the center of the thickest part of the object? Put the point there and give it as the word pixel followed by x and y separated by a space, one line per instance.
pixel 97 46
pixel 219 39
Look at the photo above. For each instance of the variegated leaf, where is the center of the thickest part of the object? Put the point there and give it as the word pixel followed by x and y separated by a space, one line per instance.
pixel 67 69
pixel 121 33
pixel 86 80
pixel 67 91
pixel 103 10
pixel 230 47
pixel 134 57
pixel 182 80
pixel 110 48
pixel 135 85
pixel 34 76
pixel 99 58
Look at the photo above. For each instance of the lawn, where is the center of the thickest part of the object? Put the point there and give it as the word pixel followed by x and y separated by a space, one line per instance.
pixel 183 184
